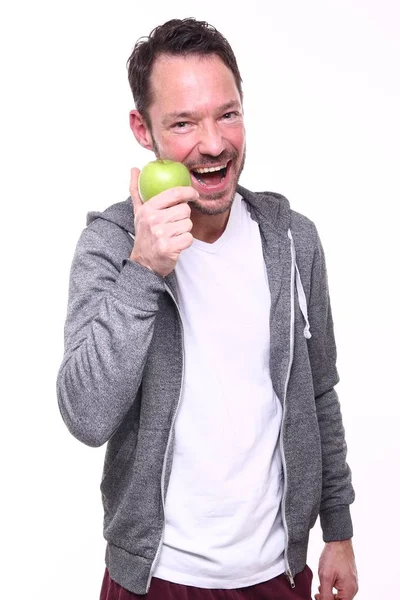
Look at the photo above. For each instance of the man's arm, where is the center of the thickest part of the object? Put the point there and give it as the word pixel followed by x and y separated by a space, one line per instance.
pixel 337 566
pixel 112 306
pixel 113 303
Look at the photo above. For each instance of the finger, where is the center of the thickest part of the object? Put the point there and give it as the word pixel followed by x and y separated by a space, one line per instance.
pixel 319 597
pixel 179 227
pixel 181 242
pixel 175 213
pixel 326 593
pixel 166 231
pixel 174 196
pixel 134 190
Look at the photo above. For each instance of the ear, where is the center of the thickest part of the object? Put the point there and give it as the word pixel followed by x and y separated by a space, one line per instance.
pixel 140 129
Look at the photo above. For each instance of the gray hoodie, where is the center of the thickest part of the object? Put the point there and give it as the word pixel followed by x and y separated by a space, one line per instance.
pixel 121 377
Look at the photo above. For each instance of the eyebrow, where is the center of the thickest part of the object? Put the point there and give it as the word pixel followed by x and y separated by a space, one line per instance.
pixel 181 115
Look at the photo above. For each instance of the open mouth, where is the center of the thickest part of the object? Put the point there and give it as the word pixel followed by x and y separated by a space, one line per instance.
pixel 211 176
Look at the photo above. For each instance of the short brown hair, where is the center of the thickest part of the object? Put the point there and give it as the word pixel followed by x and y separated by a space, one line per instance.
pixel 175 37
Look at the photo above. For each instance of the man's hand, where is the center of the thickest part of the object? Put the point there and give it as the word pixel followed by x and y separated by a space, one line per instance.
pixel 162 226
pixel 337 569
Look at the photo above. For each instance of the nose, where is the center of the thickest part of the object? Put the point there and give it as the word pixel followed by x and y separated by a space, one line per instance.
pixel 211 140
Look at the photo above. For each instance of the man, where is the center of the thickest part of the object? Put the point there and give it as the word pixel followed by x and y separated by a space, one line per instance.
pixel 199 344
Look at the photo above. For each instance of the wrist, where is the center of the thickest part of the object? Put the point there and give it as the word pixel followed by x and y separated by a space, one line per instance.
pixel 347 542
pixel 137 258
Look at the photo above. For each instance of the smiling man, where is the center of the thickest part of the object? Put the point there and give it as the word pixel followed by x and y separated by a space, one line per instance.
pixel 207 134
pixel 199 345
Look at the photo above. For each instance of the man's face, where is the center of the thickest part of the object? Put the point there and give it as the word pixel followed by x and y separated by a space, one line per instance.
pixel 196 118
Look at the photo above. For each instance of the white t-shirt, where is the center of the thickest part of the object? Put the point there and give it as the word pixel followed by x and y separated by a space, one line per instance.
pixel 223 521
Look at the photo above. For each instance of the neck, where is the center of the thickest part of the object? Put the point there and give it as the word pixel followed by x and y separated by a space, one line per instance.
pixel 208 228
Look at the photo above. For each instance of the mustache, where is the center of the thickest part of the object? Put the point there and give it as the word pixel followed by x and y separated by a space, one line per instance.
pixel 211 161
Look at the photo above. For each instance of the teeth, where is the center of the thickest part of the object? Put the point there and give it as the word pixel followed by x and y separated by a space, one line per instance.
pixel 210 169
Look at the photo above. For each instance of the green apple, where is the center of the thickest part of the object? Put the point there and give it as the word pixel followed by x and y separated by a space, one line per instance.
pixel 162 174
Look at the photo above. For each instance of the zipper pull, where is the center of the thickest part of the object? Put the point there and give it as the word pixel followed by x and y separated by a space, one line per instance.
pixel 291 579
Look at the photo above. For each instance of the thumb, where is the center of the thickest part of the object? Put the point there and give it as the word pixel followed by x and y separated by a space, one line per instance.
pixel 134 190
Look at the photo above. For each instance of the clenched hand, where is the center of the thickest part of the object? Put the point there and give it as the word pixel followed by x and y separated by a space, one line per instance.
pixel 337 569
pixel 162 226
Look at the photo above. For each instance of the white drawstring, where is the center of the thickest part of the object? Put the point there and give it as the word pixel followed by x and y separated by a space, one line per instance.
pixel 300 290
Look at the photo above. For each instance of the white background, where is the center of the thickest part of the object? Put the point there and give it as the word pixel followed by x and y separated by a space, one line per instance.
pixel 322 98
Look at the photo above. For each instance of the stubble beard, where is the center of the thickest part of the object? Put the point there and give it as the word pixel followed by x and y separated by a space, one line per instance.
pixel 209 205
pixel 214 207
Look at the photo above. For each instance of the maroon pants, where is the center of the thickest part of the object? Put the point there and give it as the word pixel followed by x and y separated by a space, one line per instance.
pixel 274 589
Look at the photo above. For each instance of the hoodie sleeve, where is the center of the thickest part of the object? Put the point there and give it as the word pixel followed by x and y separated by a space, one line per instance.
pixel 337 490
pixel 112 306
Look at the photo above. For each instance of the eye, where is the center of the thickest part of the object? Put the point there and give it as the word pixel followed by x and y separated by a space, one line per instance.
pixel 180 125
pixel 230 115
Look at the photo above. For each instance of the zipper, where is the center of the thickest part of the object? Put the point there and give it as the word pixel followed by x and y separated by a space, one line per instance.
pixel 289 574
pixel 157 556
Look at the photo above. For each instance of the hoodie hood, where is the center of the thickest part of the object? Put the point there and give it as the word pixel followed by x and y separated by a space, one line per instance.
pixel 273 209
